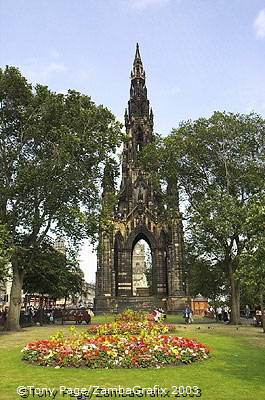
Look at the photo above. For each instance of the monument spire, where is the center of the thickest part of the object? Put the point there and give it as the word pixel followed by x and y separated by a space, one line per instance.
pixel 138 105
pixel 138 71
pixel 137 54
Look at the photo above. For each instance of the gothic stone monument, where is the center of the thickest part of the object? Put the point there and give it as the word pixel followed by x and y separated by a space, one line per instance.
pixel 138 216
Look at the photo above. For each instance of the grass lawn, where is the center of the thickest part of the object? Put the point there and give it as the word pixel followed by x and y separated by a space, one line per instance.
pixel 236 370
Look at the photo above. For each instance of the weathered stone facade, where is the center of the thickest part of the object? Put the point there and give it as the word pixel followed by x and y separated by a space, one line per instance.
pixel 139 215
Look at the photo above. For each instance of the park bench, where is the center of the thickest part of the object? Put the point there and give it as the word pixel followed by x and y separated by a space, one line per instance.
pixel 76 315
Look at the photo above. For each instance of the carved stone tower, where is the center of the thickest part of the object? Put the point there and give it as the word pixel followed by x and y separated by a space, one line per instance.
pixel 139 216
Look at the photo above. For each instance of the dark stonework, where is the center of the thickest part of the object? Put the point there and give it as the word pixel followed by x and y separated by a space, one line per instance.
pixel 138 216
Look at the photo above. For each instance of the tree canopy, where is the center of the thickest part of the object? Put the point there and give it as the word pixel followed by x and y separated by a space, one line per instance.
pixel 53 148
pixel 252 259
pixel 203 276
pixel 218 166
pixel 53 273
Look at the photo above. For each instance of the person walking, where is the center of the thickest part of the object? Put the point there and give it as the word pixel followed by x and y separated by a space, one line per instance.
pixel 219 313
pixel 225 313
pixel 52 317
pixel 259 317
pixel 247 311
pixel 190 316
pixel 187 315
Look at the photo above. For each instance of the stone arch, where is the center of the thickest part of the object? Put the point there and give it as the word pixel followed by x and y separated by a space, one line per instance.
pixel 141 263
pixel 138 233
pixel 159 278
pixel 142 233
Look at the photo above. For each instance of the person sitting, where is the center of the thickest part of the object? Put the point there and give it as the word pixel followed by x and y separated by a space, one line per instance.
pixel 163 314
pixel 258 317
pixel 157 315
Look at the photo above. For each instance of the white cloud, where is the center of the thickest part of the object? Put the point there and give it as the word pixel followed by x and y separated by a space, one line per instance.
pixel 39 72
pixel 259 24
pixel 142 4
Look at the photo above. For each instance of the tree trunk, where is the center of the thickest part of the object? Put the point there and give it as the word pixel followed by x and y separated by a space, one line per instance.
pixel 12 322
pixel 262 310
pixel 235 297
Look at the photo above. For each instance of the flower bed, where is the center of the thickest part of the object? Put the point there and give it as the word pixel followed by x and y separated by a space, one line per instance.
pixel 133 328
pixel 115 352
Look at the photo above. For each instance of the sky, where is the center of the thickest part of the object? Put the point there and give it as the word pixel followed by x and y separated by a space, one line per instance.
pixel 199 55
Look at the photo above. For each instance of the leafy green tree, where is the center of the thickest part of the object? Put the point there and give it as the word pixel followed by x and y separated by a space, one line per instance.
pixel 249 295
pixel 53 273
pixel 204 276
pixel 218 165
pixel 252 259
pixel 52 151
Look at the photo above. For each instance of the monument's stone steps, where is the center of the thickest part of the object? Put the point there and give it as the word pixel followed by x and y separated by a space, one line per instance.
pixel 142 303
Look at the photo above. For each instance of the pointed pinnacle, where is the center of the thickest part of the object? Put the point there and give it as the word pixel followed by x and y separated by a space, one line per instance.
pixel 137 58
